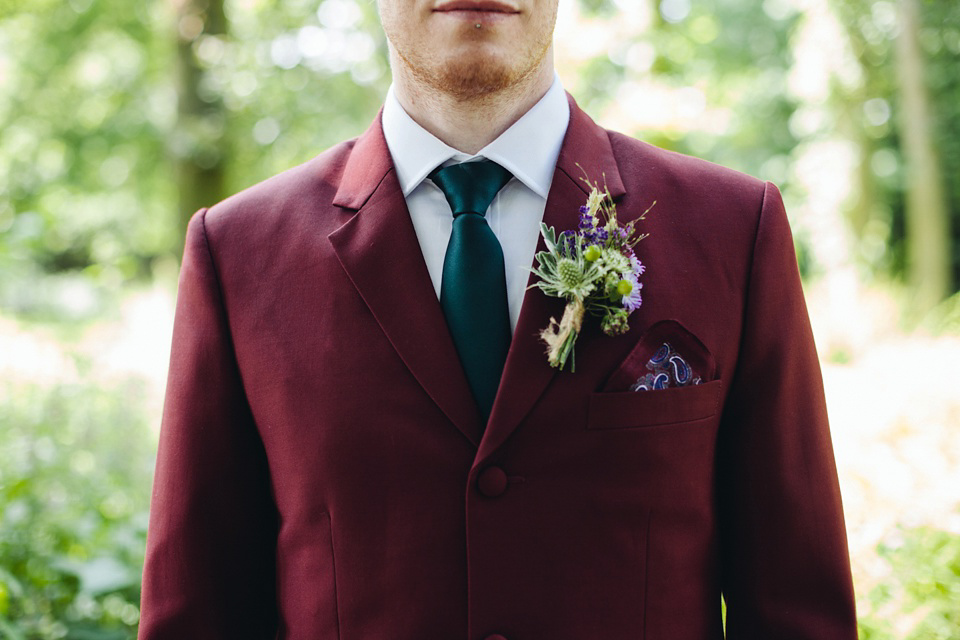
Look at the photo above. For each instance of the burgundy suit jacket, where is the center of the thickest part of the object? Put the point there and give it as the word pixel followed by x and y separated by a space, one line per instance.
pixel 323 474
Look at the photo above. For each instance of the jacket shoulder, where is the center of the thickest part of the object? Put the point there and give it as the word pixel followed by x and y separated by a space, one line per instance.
pixel 705 219
pixel 644 166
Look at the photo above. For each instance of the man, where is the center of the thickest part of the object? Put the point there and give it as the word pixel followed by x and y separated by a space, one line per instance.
pixel 332 464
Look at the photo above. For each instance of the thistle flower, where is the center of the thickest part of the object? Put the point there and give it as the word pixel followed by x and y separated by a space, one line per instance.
pixel 563 270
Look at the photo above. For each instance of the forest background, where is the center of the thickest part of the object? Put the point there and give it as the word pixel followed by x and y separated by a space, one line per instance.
pixel 119 119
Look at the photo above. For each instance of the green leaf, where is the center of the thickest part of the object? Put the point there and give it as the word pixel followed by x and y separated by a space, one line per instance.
pixel 549 237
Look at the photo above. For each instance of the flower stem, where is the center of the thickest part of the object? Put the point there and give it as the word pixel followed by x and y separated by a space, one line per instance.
pixel 561 338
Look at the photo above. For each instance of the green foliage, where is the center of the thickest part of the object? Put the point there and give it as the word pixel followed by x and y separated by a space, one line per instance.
pixel 84 111
pixel 941 40
pixel 728 54
pixel 739 57
pixel 296 77
pixel 75 468
pixel 918 599
pixel 945 317
pixel 870 108
pixel 89 129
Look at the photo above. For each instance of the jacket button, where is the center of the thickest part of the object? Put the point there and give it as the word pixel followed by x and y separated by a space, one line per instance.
pixel 492 483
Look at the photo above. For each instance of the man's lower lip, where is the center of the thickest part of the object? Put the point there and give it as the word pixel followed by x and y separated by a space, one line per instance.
pixel 477 17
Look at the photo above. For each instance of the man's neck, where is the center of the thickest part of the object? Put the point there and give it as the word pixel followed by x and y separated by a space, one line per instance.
pixel 469 126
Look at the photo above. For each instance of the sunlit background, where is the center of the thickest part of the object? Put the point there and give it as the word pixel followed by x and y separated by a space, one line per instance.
pixel 119 119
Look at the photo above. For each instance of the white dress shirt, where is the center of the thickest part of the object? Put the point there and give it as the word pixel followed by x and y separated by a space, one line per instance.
pixel 528 150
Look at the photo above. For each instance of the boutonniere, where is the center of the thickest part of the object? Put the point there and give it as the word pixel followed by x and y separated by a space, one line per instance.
pixel 593 268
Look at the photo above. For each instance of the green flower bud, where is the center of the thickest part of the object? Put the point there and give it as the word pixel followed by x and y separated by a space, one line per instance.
pixel 592 253
pixel 570 273
pixel 615 323
pixel 624 287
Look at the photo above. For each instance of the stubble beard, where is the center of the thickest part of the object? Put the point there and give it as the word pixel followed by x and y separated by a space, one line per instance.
pixel 475 80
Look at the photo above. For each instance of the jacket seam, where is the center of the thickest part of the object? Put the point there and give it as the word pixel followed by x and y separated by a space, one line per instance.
pixel 333 571
pixel 246 399
pixel 750 273
pixel 741 346
pixel 223 307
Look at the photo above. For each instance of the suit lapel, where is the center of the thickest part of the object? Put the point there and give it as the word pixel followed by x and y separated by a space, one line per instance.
pixel 586 152
pixel 379 250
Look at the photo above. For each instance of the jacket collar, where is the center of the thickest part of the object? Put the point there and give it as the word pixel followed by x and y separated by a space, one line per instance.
pixel 528 149
pixel 585 143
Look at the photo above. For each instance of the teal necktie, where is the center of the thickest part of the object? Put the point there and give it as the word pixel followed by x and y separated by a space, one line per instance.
pixel 473 292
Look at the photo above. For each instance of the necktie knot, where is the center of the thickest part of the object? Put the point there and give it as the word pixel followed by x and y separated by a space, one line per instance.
pixel 470 187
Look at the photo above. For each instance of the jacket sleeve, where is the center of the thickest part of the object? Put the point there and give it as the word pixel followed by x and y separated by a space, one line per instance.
pixel 785 564
pixel 209 569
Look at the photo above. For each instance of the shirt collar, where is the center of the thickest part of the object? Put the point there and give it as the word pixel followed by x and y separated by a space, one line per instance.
pixel 528 149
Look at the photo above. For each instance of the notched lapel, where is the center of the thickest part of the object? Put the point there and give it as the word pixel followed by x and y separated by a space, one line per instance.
pixel 378 249
pixel 526 373
pixel 586 152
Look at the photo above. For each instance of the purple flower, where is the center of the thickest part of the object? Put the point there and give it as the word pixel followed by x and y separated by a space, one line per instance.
pixel 586 223
pixel 632 301
pixel 567 242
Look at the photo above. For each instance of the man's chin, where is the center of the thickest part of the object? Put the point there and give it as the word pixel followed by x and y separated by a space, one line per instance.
pixel 466 79
pixel 472 73
pixel 472 80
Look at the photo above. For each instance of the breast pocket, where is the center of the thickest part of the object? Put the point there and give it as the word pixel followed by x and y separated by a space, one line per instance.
pixel 637 409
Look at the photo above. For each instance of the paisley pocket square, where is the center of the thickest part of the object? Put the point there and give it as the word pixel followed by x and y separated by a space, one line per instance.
pixel 667 355
pixel 667 368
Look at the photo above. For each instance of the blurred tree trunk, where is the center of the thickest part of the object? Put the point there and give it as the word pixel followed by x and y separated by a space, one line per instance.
pixel 927 215
pixel 863 208
pixel 200 141
pixel 656 18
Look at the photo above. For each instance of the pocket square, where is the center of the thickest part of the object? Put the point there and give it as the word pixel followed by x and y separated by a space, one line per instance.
pixel 667 355
pixel 667 368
